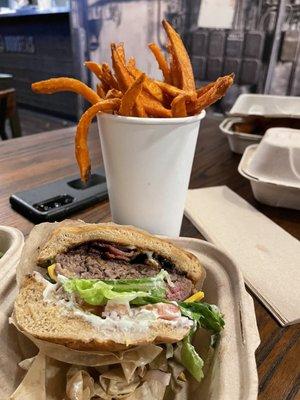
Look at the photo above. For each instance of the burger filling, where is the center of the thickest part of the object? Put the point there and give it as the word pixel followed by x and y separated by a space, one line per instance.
pixel 109 261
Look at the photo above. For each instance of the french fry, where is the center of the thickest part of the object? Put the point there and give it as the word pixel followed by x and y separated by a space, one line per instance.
pixel 121 52
pixel 98 71
pixel 108 77
pixel 178 106
pixel 215 91
pixel 62 84
pixel 153 107
pixel 161 61
pixel 100 90
pixel 149 84
pixel 131 63
pixel 201 91
pixel 174 70
pixel 124 79
pixel 81 146
pixel 95 68
pixel 139 110
pixel 181 59
pixel 170 89
pixel 129 99
pixel 114 94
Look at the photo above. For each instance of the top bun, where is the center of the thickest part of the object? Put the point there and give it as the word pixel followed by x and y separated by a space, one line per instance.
pixel 67 236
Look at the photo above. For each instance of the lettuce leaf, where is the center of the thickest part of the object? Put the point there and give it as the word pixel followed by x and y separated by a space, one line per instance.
pixel 191 360
pixel 206 315
pixel 136 291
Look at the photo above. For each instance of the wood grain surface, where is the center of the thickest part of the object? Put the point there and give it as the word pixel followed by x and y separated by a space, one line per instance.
pixel 38 159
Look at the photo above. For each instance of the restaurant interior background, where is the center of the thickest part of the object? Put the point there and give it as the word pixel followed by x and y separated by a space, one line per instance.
pixel 257 40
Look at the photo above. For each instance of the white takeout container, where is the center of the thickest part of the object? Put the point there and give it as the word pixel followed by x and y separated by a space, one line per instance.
pixel 238 141
pixel 266 106
pixel 278 194
pixel 148 164
pixel 277 158
pixel 232 374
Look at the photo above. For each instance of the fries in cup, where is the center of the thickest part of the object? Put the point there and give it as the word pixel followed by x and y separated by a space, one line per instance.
pixel 126 90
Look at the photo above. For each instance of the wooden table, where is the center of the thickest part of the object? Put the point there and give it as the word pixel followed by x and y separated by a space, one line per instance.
pixel 37 159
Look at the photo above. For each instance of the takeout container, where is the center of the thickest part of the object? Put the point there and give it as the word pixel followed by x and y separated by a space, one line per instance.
pixel 11 243
pixel 273 168
pixel 266 105
pixel 256 105
pixel 148 163
pixel 232 374
pixel 238 141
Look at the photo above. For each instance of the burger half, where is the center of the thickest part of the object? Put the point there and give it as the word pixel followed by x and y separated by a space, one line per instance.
pixel 109 287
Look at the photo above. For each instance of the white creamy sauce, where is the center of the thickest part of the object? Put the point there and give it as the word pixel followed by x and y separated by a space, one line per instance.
pixel 133 325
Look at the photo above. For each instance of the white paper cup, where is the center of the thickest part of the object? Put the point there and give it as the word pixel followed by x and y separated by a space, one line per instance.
pixel 148 164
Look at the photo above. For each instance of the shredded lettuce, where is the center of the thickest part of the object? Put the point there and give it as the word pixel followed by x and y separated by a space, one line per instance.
pixel 191 360
pixel 136 291
pixel 206 315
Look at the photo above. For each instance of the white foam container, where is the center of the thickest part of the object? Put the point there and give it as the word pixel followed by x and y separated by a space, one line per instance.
pixel 238 141
pixel 266 106
pixel 232 375
pixel 276 193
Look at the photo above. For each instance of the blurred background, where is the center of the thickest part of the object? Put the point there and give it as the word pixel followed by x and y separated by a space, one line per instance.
pixel 258 40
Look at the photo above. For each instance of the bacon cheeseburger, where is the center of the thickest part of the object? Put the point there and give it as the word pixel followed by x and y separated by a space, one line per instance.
pixel 109 287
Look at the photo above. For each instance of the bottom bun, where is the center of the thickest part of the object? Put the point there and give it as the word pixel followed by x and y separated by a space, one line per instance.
pixel 61 321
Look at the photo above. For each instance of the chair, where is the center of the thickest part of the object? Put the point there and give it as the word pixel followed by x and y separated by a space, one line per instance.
pixel 8 110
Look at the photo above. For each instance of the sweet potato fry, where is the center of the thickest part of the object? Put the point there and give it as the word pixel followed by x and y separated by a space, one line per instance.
pixel 181 59
pixel 56 85
pixel 215 91
pixel 81 147
pixel 161 61
pixel 100 90
pixel 98 71
pixel 131 62
pixel 170 89
pixel 149 84
pixel 174 70
pixel 114 94
pixel 153 107
pixel 121 52
pixel 108 77
pixel 139 110
pixel 178 106
pixel 125 80
pixel 202 90
pixel 130 97
pixel 95 68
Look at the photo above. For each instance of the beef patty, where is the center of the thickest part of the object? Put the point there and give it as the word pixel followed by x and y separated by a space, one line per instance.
pixel 101 260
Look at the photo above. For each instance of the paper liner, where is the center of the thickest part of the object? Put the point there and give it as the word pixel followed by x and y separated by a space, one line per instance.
pixel 49 379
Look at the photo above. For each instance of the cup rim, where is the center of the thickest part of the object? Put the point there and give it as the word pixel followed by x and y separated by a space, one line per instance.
pixel 154 121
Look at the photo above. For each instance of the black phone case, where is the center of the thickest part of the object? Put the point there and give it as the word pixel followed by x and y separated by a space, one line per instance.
pixel 59 199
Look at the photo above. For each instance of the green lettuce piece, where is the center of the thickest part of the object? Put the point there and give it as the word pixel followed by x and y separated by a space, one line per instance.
pixel 136 291
pixel 155 285
pixel 98 292
pixel 191 360
pixel 206 315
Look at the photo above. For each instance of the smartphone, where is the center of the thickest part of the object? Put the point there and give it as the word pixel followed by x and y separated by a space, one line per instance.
pixel 57 200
